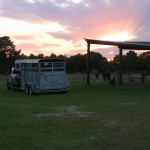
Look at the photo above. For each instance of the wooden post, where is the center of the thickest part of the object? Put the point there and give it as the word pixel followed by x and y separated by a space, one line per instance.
pixel 120 67
pixel 88 63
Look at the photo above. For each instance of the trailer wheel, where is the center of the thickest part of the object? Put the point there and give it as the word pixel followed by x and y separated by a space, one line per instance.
pixel 30 90
pixel 12 87
pixel 27 89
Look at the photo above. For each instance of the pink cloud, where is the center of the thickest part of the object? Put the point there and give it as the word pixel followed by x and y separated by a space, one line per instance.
pixel 23 37
pixel 28 46
pixel 88 19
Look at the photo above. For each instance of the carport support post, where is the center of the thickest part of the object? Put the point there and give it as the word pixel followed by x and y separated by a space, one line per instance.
pixel 88 62
pixel 120 67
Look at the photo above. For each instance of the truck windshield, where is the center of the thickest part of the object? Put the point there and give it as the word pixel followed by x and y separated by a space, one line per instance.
pixel 16 71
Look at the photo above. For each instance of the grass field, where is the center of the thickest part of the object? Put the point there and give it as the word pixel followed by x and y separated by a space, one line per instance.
pixel 98 116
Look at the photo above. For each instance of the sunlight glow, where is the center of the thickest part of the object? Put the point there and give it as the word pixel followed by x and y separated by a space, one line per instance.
pixel 30 1
pixel 76 1
pixel 119 37
pixel 111 52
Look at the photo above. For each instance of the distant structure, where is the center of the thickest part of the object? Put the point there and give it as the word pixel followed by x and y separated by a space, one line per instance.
pixel 134 45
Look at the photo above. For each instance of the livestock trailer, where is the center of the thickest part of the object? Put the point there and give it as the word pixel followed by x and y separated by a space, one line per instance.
pixel 42 75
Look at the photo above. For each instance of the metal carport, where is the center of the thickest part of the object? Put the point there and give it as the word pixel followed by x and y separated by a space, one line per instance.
pixel 134 45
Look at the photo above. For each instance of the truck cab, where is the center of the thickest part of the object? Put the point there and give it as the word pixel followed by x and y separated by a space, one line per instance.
pixel 13 79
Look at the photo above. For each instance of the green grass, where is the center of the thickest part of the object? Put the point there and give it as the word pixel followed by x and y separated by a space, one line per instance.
pixel 88 117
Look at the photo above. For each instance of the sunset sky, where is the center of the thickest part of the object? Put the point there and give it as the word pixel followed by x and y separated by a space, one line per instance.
pixel 60 26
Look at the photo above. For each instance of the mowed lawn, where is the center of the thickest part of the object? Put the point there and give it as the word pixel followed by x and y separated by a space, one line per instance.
pixel 98 116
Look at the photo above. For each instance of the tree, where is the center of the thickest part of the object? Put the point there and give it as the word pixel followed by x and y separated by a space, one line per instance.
pixel 32 56
pixel 98 62
pixel 76 63
pixel 53 55
pixel 144 61
pixel 8 53
pixel 40 56
pixel 7 46
pixel 145 55
pixel 115 63
pixel 130 61
pixel 112 66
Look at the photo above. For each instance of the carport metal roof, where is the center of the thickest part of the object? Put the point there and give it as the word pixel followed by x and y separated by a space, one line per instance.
pixel 134 45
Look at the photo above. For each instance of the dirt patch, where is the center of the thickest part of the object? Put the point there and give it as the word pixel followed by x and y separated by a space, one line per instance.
pixel 66 111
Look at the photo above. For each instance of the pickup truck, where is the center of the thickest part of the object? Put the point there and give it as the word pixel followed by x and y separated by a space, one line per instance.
pixel 13 79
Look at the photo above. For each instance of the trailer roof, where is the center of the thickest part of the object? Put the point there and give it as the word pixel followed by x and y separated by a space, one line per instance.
pixel 39 60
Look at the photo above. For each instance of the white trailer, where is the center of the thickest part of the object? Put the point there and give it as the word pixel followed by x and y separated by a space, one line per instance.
pixel 42 75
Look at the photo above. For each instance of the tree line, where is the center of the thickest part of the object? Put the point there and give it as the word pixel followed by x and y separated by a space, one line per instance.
pixel 76 63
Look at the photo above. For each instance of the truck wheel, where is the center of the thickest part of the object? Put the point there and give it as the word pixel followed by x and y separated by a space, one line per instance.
pixel 27 89
pixel 30 90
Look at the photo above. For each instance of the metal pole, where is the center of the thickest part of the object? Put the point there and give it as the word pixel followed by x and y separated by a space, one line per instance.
pixel 120 67
pixel 88 63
